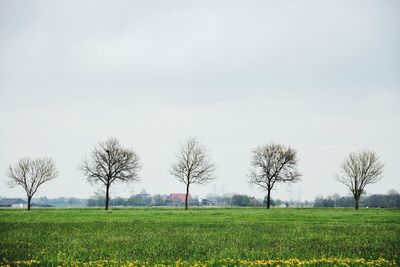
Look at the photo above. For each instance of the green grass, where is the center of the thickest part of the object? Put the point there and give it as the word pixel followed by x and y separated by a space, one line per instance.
pixel 57 235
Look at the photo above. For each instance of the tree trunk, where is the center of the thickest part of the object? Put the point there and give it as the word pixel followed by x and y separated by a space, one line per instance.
pixel 107 195
pixel 29 202
pixel 356 199
pixel 186 197
pixel 269 199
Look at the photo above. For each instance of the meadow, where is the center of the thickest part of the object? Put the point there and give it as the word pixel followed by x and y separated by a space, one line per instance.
pixel 200 236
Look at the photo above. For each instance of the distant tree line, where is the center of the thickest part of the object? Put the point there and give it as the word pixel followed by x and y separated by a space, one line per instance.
pixel 389 200
pixel 143 199
pixel 231 200
pixel 146 200
pixel 62 202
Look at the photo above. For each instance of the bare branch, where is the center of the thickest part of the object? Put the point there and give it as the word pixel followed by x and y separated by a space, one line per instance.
pixel 271 164
pixel 358 170
pixel 111 162
pixel 193 165
pixel 31 174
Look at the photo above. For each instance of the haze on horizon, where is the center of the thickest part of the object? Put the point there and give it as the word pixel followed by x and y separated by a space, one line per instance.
pixel 322 77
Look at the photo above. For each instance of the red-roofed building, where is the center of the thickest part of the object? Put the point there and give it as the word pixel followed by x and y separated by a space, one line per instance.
pixel 179 198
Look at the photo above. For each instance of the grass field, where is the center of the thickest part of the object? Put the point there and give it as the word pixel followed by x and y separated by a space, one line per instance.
pixel 284 237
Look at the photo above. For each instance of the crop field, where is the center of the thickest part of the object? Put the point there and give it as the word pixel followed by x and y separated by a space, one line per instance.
pixel 200 237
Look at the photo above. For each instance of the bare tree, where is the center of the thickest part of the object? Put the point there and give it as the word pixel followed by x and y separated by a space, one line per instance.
pixel 271 164
pixel 30 174
pixel 193 165
pixel 110 162
pixel 358 170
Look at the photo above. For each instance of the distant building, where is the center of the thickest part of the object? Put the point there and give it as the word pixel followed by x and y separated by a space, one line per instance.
pixel 19 206
pixel 178 198
pixel 13 203
pixel 206 202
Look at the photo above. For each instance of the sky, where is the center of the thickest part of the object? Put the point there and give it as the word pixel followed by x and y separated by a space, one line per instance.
pixel 320 76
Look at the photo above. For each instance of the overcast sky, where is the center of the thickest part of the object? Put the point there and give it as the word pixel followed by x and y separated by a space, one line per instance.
pixel 320 76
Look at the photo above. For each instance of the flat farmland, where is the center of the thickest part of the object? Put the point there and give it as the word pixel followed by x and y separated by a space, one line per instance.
pixel 200 236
